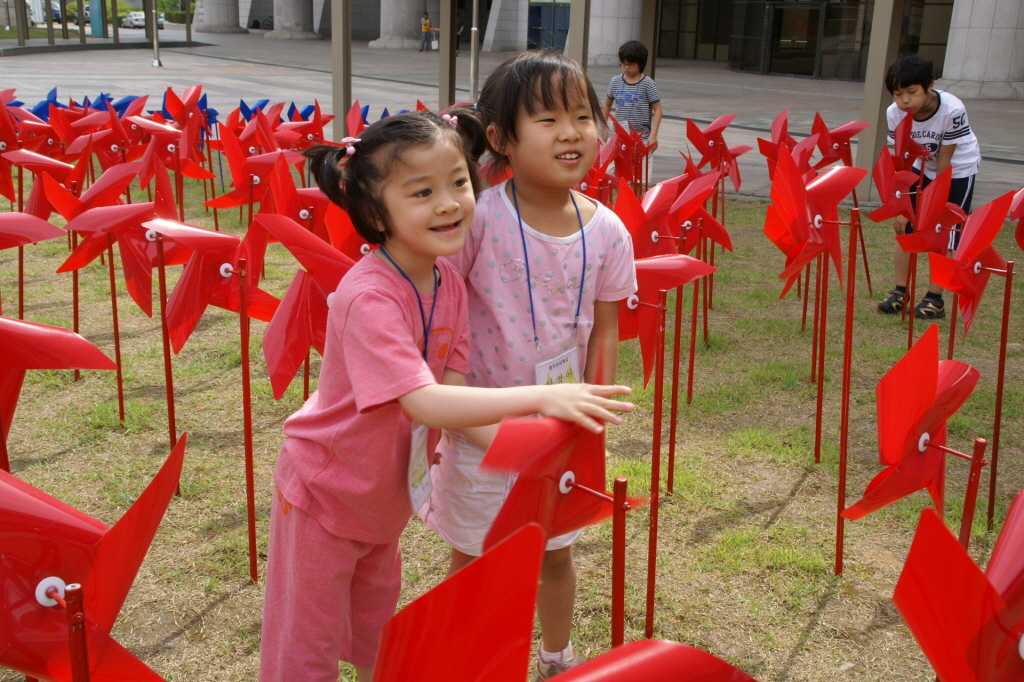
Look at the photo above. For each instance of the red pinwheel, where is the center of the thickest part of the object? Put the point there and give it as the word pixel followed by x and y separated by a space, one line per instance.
pixel 28 345
pixel 834 144
pixel 247 173
pixel 309 207
pixel 780 137
pixel 907 151
pixel 309 132
pixel 208 277
pixel 182 108
pixel 693 219
pixel 965 274
pixel 597 183
pixel 713 149
pixel 627 149
pixel 935 218
pixel 20 229
pixel 803 220
pixel 550 475
pixel 177 147
pixel 967 623
pixel 639 314
pixel 106 191
pixel 354 118
pixel 50 546
pixel 300 321
pixel 488 605
pixel 37 164
pixel 893 189
pixel 913 401
pixel 8 142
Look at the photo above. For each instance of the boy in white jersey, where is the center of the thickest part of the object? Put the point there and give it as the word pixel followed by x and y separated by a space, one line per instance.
pixel 940 125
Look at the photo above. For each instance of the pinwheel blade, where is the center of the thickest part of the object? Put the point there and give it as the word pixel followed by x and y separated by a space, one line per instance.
pixel 486 606
pixel 655 660
pixel 19 229
pixel 944 599
pixel 905 393
pixel 292 330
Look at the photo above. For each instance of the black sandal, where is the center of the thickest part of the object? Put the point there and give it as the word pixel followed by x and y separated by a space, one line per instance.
pixel 930 309
pixel 892 304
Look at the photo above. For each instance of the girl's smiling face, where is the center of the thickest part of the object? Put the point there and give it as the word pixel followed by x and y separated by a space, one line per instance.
pixel 430 203
pixel 554 148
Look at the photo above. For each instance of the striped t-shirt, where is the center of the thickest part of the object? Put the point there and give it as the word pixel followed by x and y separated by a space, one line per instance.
pixel 948 124
pixel 633 102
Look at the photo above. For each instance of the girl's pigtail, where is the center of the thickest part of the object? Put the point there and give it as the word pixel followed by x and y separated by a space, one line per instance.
pixel 325 167
pixel 474 142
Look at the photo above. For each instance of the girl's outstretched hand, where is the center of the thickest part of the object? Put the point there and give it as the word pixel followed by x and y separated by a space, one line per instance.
pixel 584 404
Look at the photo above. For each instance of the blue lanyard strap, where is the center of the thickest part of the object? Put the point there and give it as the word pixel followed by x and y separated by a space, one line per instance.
pixel 423 317
pixel 526 258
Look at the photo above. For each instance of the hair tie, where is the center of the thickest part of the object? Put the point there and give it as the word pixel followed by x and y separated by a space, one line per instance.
pixel 347 142
pixel 453 121
pixel 475 107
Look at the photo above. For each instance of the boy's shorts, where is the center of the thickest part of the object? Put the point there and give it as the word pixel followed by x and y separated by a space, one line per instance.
pixel 465 501
pixel 961 192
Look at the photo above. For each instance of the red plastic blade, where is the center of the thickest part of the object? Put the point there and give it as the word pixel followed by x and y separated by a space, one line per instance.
pixel 655 660
pixel 19 229
pixel 486 606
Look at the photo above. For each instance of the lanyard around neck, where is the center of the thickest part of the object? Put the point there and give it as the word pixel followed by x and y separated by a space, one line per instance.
pixel 526 258
pixel 423 317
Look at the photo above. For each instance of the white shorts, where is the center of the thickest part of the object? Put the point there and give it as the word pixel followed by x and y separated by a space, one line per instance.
pixel 465 501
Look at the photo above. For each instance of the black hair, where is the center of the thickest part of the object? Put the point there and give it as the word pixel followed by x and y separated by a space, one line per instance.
pixel 356 182
pixel 912 70
pixel 532 80
pixel 634 52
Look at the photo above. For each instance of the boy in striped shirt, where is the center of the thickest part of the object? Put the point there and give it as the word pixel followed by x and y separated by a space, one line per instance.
pixel 634 95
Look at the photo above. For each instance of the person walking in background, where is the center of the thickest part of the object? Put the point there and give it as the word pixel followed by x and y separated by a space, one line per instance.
pixel 425 31
pixel 458 35
pixel 634 95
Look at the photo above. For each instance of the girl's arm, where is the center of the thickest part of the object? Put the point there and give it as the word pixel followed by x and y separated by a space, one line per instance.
pixel 458 407
pixel 480 436
pixel 603 347
pixel 944 157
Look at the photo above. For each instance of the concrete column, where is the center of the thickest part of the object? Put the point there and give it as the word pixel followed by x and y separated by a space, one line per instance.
pixel 400 23
pixel 507 26
pixel 885 41
pixel 577 43
pixel 613 22
pixel 446 54
pixel 985 50
pixel 217 16
pixel 293 20
pixel 650 29
pixel 341 64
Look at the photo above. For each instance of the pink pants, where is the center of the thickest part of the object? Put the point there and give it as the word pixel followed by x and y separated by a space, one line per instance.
pixel 327 598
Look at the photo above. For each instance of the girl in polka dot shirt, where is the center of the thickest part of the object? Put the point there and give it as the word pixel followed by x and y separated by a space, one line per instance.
pixel 545 268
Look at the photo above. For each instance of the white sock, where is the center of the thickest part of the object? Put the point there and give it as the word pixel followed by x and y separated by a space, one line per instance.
pixel 557 657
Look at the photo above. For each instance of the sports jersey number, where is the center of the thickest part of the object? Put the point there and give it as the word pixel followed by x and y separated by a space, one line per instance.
pixel 960 120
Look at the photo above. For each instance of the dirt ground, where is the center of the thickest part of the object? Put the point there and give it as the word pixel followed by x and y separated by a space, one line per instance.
pixel 746 549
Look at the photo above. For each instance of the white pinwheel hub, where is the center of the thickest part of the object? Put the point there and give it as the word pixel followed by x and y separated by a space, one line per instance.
pixel 47 584
pixel 818 222
pixel 977 268
pixel 655 236
pixel 364 249
pixel 304 214
pixel 633 302
pixel 565 483
pixel 226 270
pixel 150 235
pixel 922 442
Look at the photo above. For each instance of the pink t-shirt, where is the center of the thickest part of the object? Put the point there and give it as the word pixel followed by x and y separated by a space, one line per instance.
pixel 344 461
pixel 503 352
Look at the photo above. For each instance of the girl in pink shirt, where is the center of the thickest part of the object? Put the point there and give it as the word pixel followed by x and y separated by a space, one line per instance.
pixel 353 466
pixel 545 267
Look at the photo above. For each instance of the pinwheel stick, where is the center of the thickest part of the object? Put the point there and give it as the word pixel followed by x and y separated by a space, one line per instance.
pixel 971 496
pixel 74 294
pixel 863 248
pixel 705 290
pixel 172 429
pixel 844 413
pixel 952 325
pixel 659 389
pixel 71 603
pixel 821 360
pixel 117 333
pixel 674 409
pixel 250 484
pixel 619 508
pixel 1000 377
pixel 693 318
pixel 807 290
pixel 911 286
pixel 817 312
pixel 21 282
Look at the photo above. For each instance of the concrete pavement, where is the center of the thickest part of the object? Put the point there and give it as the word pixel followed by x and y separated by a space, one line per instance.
pixel 233 67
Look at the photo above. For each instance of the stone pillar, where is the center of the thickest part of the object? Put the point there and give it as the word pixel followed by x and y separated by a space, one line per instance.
pixel 400 23
pixel 293 20
pixel 507 26
pixel 217 16
pixel 985 50
pixel 612 22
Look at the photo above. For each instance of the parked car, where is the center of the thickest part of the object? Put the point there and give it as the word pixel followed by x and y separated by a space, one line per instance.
pixel 84 15
pixel 55 11
pixel 138 20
